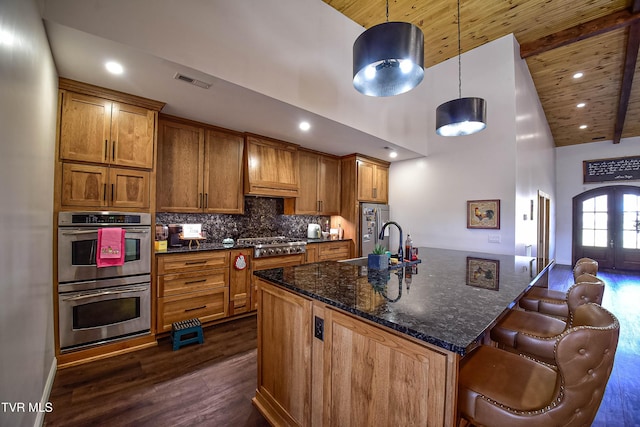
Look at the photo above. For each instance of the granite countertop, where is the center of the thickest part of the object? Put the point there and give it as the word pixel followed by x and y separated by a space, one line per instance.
pixel 217 246
pixel 204 246
pixel 438 306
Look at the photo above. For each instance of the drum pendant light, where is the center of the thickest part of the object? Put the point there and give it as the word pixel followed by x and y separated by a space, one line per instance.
pixel 388 58
pixel 462 116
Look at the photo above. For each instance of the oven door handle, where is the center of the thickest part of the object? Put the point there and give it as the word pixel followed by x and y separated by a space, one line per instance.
pixel 103 293
pixel 94 231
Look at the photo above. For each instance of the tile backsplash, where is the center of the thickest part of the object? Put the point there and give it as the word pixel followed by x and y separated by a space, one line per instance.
pixel 263 217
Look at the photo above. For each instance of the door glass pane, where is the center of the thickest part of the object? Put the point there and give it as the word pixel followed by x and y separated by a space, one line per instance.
pixel 631 221
pixel 629 239
pixel 595 221
pixel 601 203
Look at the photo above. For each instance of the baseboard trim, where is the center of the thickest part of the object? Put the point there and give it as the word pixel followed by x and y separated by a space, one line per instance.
pixel 46 392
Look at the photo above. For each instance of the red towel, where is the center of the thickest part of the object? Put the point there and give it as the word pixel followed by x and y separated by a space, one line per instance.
pixel 111 247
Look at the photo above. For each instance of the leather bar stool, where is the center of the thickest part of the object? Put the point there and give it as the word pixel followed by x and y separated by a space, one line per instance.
pixel 535 333
pixel 585 265
pixel 500 388
pixel 554 303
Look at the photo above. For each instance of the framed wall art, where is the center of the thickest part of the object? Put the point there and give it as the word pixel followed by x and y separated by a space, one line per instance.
pixel 483 214
pixel 483 273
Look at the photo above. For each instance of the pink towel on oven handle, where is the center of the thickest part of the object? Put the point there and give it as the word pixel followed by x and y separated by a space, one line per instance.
pixel 111 247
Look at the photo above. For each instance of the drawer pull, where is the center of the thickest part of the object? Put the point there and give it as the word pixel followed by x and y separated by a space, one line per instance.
pixel 194 309
pixel 195 262
pixel 195 281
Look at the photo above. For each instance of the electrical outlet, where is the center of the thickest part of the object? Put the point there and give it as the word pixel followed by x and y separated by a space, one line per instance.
pixel 494 238
pixel 318 328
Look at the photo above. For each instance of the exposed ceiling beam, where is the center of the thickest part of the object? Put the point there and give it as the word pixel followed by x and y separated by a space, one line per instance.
pixel 631 59
pixel 589 29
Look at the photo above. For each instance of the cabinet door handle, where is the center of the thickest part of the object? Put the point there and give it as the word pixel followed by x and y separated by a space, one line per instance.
pixel 104 192
pixel 195 308
pixel 112 191
pixel 199 200
pixel 113 151
pixel 194 262
pixel 195 281
pixel 375 193
pixel 206 200
pixel 106 150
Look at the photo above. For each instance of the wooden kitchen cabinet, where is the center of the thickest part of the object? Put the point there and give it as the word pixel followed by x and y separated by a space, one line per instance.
pixel 271 167
pixel 334 251
pixel 266 263
pixel 199 168
pixel 192 285
pixel 89 186
pixel 373 181
pixel 284 356
pixel 311 253
pixel 306 374
pixel 328 251
pixel 240 282
pixel 319 185
pixel 98 130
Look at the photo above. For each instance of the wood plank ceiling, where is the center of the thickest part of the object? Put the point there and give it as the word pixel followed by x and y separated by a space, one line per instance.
pixel 557 38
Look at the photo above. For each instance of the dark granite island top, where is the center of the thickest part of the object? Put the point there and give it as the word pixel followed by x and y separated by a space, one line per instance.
pixel 452 299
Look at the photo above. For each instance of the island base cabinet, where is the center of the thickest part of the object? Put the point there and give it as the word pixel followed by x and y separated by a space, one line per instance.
pixel 283 395
pixel 373 377
pixel 318 366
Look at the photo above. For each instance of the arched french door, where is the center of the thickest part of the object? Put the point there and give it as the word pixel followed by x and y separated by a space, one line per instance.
pixel 606 226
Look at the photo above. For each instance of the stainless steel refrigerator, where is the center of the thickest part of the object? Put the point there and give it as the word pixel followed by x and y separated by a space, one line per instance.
pixel 372 217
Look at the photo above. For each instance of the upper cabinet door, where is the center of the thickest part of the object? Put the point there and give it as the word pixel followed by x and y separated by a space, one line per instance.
pixel 96 130
pixel 366 176
pixel 132 136
pixel 85 128
pixel 223 185
pixel 308 202
pixel 179 176
pixel 329 185
pixel 381 189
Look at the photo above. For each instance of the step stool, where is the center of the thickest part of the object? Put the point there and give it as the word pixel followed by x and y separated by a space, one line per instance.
pixel 186 332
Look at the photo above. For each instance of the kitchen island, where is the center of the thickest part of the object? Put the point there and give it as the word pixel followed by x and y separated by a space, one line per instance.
pixel 341 345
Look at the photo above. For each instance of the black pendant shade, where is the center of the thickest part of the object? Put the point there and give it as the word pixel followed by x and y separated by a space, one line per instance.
pixel 462 116
pixel 388 59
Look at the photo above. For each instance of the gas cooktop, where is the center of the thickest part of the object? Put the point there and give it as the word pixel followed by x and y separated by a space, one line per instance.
pixel 274 246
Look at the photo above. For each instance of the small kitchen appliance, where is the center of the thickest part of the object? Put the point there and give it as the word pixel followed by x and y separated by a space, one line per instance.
pixel 314 231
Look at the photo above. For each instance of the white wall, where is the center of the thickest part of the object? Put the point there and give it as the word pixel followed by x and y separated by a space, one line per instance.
pixel 569 183
pixel 28 102
pixel 428 196
pixel 535 161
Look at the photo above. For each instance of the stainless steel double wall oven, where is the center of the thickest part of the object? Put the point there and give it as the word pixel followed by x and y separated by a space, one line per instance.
pixel 99 305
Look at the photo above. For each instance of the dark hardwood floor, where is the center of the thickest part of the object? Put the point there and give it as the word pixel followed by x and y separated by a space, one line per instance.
pixel 198 385
pixel 212 384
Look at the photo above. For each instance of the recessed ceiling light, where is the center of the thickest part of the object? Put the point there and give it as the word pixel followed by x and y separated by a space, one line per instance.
pixel 393 154
pixel 578 75
pixel 583 126
pixel 114 67
pixel 581 105
pixel 305 126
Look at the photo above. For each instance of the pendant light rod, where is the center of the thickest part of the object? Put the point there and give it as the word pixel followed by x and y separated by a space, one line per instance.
pixel 459 56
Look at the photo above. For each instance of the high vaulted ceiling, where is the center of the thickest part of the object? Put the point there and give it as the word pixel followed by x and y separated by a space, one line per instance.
pixel 558 38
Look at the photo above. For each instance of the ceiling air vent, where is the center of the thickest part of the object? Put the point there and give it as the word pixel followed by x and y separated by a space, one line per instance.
pixel 192 81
